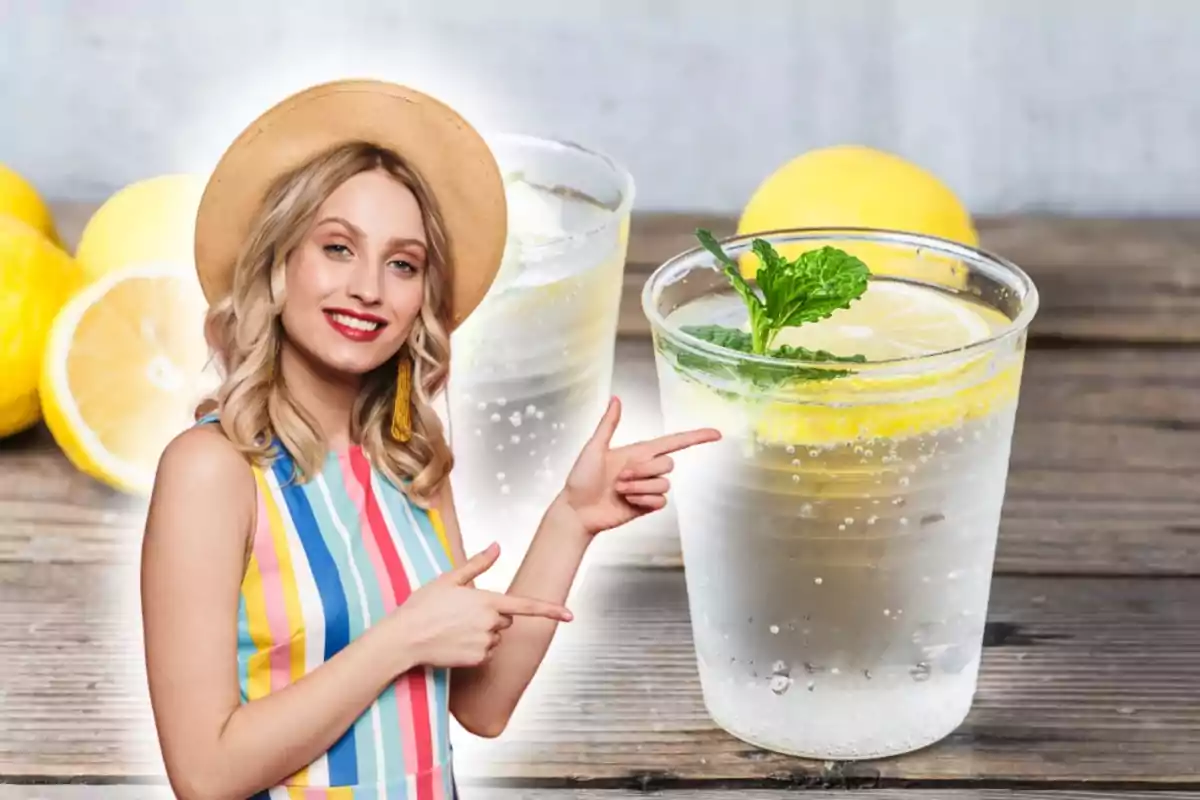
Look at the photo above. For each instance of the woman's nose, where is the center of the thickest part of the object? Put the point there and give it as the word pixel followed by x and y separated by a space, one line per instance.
pixel 364 282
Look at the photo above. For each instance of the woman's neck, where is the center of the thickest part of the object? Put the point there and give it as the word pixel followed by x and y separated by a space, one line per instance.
pixel 326 395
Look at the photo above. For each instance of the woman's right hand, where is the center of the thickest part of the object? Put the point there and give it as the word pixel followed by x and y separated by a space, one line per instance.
pixel 449 623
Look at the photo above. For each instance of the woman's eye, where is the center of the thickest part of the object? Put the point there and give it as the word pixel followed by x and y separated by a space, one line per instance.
pixel 337 249
pixel 404 266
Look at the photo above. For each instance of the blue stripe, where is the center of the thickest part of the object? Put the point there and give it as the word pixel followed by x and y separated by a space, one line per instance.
pixel 246 648
pixel 343 756
pixel 324 512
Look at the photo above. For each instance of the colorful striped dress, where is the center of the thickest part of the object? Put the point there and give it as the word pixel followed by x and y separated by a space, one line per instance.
pixel 331 557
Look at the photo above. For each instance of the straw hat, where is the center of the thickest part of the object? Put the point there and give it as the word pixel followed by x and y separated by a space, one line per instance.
pixel 439 144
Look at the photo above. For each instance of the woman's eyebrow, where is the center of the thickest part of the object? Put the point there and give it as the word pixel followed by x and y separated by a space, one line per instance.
pixel 357 231
pixel 395 241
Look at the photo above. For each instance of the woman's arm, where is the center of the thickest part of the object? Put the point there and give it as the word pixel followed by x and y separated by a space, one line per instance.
pixel 483 698
pixel 201 514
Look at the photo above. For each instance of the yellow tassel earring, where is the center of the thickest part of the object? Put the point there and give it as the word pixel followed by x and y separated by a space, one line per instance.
pixel 402 411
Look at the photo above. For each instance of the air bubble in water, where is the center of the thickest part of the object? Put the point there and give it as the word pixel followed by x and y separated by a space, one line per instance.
pixel 795 479
pixel 780 684
pixel 774 629
pixel 849 520
pixel 482 406
pixel 499 476
pixel 818 581
pixel 495 418
pixel 806 510
pixel 795 462
pixel 540 415
pixel 791 449
pixel 505 489
pixel 515 419
pixel 920 672
pixel 502 402
pixel 529 409
pixel 515 439
pixel 814 453
pixel 780 668
pixel 903 481
pixel 871 520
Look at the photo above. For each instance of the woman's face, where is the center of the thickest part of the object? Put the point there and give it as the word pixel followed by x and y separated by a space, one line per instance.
pixel 356 282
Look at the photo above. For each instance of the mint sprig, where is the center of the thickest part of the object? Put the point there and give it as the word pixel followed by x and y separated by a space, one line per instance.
pixel 789 293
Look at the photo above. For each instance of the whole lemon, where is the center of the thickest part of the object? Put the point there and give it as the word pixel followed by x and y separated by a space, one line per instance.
pixel 36 279
pixel 856 186
pixel 151 220
pixel 18 198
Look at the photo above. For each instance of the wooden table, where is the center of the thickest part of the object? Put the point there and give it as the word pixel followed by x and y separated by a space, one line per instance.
pixel 1091 676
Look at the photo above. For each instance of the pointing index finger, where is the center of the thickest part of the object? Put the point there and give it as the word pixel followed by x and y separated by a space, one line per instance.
pixel 674 442
pixel 528 607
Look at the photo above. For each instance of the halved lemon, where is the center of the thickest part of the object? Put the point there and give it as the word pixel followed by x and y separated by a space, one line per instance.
pixel 123 371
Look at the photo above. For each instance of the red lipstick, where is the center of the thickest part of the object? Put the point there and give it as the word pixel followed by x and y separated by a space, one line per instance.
pixel 355 325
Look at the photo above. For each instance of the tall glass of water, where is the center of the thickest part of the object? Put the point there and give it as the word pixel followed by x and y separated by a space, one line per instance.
pixel 532 367
pixel 838 542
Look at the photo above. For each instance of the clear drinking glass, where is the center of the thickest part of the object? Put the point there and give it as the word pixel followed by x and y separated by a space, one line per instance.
pixel 838 542
pixel 532 366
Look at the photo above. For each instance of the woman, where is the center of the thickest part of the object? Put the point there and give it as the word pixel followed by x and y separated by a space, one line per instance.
pixel 310 616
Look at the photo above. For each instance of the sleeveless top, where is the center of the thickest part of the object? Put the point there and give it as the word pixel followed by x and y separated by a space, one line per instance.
pixel 331 557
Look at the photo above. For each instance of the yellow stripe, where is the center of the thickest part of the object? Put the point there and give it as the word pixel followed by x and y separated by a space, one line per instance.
pixel 291 595
pixel 258 667
pixel 436 518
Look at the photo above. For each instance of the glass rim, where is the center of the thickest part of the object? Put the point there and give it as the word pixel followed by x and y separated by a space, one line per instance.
pixel 948 247
pixel 623 180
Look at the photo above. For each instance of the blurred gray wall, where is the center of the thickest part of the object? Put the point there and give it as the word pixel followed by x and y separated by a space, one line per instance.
pixel 1072 106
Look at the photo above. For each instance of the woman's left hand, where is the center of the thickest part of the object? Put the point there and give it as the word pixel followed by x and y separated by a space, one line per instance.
pixel 608 487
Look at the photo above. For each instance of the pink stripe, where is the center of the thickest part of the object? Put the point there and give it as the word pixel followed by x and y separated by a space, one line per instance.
pixel 358 488
pixel 272 584
pixel 354 490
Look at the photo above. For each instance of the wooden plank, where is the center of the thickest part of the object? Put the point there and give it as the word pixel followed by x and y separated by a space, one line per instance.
pixel 1102 480
pixel 1108 280
pixel 1084 680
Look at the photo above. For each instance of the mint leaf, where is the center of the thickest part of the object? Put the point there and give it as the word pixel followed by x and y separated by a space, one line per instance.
pixel 810 288
pixel 754 305
pixel 761 376
pixel 788 294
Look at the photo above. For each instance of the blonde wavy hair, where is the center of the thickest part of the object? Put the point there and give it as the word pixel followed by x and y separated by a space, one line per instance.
pixel 243 329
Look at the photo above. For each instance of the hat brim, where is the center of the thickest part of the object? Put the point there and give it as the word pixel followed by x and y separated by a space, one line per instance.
pixel 437 142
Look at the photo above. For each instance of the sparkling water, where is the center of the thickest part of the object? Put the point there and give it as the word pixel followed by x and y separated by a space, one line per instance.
pixel 839 547
pixel 532 367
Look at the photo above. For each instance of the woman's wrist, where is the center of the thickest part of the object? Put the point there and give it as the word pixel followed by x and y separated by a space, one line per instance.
pixel 396 643
pixel 564 520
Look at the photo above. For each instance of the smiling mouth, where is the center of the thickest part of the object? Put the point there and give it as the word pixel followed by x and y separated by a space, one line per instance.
pixel 355 327
pixel 357 323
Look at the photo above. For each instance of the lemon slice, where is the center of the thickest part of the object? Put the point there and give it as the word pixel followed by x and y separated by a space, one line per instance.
pixel 897 320
pixel 123 370
pixel 890 321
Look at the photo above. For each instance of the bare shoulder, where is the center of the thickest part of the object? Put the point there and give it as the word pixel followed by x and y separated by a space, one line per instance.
pixel 202 481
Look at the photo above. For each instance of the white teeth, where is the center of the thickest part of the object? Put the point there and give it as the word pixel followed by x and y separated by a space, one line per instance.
pixel 354 322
